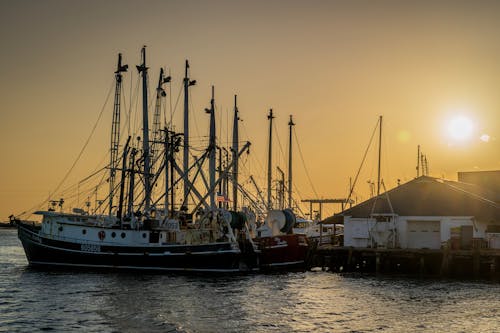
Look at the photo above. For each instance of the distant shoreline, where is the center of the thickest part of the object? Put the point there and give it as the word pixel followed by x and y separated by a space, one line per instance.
pixel 7 225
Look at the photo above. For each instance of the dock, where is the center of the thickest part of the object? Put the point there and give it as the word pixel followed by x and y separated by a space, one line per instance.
pixel 442 263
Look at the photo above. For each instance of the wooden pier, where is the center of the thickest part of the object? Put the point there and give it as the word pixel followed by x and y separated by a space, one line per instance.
pixel 475 263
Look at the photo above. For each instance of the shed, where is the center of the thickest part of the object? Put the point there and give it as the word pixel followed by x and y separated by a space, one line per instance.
pixel 425 212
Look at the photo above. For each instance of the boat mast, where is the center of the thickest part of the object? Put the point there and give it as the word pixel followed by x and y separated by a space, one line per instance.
pixel 119 213
pixel 269 159
pixel 145 132
pixel 172 175
pixel 290 125
pixel 379 153
pixel 280 189
pixel 115 130
pixel 235 150
pixel 187 84
pixel 160 92
pixel 130 205
pixel 418 161
pixel 221 184
pixel 166 156
pixel 211 150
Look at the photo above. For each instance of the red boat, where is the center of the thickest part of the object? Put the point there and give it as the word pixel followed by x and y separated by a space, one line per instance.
pixel 280 248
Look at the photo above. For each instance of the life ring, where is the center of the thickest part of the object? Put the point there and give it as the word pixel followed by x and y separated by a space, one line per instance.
pixel 101 235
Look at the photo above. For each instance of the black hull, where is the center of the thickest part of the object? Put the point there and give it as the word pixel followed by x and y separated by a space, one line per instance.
pixel 215 257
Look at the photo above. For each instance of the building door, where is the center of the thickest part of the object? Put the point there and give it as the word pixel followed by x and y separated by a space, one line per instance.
pixel 424 235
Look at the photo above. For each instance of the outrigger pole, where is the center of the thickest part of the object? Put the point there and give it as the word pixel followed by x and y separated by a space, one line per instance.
pixel 228 167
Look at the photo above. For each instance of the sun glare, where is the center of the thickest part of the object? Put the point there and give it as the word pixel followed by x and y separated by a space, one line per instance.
pixel 485 138
pixel 460 128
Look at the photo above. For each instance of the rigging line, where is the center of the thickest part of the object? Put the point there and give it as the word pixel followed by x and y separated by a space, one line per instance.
pixel 86 143
pixel 126 123
pixel 281 157
pixel 133 96
pixel 192 113
pixel 385 155
pixel 304 163
pixel 175 107
pixel 362 162
pixel 135 108
pixel 38 206
pixel 101 202
pixel 223 130
pixel 169 101
pixel 227 127
pixel 253 158
pixel 78 184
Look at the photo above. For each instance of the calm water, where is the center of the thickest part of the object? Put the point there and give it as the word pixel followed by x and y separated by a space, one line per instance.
pixel 33 300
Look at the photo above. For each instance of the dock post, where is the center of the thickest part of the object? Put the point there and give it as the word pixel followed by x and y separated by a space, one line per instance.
pixel 493 268
pixel 476 260
pixel 327 263
pixel 445 262
pixel 349 259
pixel 377 263
pixel 421 266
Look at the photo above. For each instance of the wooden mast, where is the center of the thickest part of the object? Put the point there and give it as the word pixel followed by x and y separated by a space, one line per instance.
pixel 211 150
pixel 269 160
pixel 379 153
pixel 185 161
pixel 160 93
pixel 115 130
pixel 290 125
pixel 143 70
pixel 235 150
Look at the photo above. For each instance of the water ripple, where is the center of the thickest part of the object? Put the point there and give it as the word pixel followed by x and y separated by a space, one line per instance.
pixel 318 301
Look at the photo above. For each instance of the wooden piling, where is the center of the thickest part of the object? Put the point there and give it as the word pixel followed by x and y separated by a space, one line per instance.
pixel 421 265
pixel 421 262
pixel 493 268
pixel 476 263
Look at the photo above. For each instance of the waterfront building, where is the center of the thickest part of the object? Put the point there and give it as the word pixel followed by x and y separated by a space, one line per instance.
pixel 429 213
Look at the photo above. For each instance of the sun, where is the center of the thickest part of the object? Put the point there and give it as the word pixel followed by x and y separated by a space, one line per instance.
pixel 460 128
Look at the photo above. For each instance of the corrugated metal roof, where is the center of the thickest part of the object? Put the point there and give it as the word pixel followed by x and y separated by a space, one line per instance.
pixel 428 196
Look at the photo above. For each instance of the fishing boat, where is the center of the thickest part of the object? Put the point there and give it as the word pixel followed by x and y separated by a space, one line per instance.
pixel 281 248
pixel 75 240
pixel 135 233
pixel 317 232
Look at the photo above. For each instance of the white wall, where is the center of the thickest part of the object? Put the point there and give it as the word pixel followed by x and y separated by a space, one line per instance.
pixel 356 230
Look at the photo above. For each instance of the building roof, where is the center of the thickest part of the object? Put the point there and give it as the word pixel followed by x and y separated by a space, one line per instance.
pixel 485 179
pixel 428 196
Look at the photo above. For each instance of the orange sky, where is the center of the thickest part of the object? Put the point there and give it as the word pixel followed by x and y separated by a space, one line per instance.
pixel 336 66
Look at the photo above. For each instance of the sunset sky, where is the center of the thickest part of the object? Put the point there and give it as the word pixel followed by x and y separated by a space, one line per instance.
pixel 430 68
